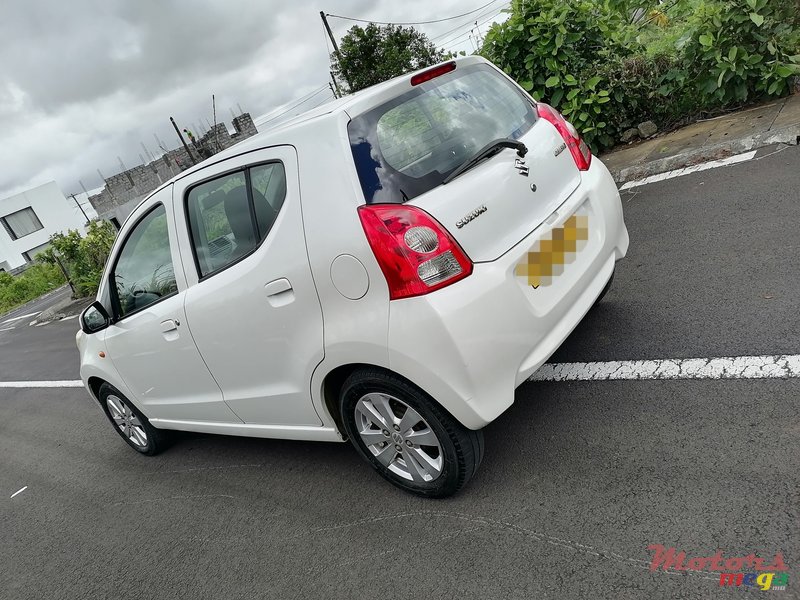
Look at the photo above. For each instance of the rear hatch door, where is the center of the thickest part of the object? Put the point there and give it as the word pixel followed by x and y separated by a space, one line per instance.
pixel 405 147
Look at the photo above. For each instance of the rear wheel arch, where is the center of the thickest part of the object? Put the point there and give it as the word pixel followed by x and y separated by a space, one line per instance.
pixel 334 382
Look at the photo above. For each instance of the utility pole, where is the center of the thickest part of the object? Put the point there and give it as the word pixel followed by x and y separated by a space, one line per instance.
pixel 333 91
pixel 186 147
pixel 79 206
pixel 335 48
pixel 338 93
pixel 214 108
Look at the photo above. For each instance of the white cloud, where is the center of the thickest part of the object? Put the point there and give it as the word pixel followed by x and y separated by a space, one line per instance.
pixel 84 82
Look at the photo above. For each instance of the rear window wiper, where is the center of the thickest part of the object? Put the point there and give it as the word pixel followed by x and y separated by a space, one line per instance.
pixel 488 150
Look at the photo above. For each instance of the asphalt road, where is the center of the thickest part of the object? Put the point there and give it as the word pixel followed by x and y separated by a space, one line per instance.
pixel 578 480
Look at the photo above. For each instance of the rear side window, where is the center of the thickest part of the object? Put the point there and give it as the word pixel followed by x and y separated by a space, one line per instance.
pixel 410 144
pixel 231 215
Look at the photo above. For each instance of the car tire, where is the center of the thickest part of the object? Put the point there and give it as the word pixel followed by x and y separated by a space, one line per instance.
pixel 129 422
pixel 425 452
pixel 605 290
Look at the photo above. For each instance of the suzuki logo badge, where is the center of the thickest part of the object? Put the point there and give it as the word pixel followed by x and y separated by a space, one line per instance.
pixel 519 165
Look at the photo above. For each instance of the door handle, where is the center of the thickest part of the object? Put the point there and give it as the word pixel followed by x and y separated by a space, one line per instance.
pixel 273 288
pixel 169 325
pixel 279 292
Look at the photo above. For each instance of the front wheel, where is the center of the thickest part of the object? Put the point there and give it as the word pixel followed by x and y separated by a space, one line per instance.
pixel 406 436
pixel 130 423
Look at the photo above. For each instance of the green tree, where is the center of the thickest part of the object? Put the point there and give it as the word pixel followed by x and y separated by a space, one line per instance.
pixel 373 54
pixel 84 257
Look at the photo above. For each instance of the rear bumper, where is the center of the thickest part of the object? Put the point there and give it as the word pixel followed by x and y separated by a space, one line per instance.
pixel 471 344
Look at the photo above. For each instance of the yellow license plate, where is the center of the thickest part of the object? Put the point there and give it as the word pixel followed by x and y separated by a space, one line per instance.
pixel 547 258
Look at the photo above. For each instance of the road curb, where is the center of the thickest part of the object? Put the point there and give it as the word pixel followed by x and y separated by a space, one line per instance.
pixel 788 135
pixel 42 297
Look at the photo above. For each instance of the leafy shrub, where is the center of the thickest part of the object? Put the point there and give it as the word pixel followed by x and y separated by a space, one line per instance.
pixel 608 65
pixel 554 48
pixel 32 283
pixel 637 94
pixel 741 50
pixel 84 257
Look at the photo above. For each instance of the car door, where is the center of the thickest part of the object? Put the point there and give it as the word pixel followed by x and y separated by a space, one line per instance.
pixel 251 304
pixel 148 341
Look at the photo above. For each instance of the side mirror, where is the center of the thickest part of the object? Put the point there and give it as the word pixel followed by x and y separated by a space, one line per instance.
pixel 94 318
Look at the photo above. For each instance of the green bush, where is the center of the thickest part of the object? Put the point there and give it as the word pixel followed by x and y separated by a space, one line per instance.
pixel 554 48
pixel 675 61
pixel 84 257
pixel 740 50
pixel 32 283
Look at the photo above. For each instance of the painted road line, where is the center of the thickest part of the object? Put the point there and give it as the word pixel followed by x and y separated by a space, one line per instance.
pixel 780 366
pixel 19 491
pixel 33 314
pixel 68 383
pixel 732 160
pixel 7 329
pixel 68 318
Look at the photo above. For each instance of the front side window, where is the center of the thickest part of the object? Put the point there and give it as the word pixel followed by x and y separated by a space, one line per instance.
pixel 21 223
pixel 144 273
pixel 231 215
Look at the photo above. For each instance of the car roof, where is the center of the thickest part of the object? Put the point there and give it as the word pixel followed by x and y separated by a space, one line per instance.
pixel 352 105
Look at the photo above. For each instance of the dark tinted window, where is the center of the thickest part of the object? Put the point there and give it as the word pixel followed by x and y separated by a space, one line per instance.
pixel 407 146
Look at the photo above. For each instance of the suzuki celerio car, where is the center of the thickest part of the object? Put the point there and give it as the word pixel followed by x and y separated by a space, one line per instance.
pixel 387 269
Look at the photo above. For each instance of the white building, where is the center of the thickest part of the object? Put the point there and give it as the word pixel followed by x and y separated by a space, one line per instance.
pixel 27 221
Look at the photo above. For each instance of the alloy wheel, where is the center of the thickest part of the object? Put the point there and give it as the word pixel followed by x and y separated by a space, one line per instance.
pixel 399 438
pixel 127 421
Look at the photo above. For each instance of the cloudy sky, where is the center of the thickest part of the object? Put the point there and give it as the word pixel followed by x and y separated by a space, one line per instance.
pixel 85 81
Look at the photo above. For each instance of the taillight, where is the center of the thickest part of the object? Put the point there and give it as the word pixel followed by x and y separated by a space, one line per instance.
pixel 433 73
pixel 416 254
pixel 577 147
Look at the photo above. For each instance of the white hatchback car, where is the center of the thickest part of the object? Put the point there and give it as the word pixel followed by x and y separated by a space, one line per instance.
pixel 386 269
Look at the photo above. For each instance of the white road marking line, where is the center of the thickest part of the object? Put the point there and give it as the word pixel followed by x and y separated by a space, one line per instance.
pixel 732 160
pixel 33 314
pixel 68 318
pixel 779 366
pixel 19 491
pixel 7 329
pixel 42 384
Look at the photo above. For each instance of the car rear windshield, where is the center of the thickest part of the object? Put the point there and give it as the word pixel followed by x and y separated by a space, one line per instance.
pixel 409 145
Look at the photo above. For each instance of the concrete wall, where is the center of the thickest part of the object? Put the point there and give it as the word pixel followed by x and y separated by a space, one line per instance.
pixel 125 190
pixel 55 212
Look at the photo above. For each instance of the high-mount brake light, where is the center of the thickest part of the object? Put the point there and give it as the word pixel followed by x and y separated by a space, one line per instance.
pixel 433 73
pixel 416 254
pixel 577 147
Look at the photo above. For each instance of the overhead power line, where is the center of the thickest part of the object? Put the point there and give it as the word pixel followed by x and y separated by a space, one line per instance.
pixel 465 24
pixel 412 22
pixel 295 105
pixel 454 41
